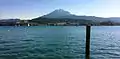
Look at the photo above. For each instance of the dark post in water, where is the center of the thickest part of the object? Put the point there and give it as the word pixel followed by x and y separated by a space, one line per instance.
pixel 88 28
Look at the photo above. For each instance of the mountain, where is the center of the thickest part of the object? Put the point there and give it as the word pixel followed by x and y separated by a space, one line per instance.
pixel 115 19
pixel 57 14
pixel 9 20
pixel 62 16
pixel 60 13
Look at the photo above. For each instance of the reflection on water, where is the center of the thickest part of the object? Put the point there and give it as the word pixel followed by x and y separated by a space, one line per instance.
pixel 105 42
pixel 58 42
pixel 42 42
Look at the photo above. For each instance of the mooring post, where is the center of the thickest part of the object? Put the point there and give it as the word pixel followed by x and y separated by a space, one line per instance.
pixel 88 29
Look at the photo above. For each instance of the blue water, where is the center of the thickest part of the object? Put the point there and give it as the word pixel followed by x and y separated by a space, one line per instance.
pixel 58 42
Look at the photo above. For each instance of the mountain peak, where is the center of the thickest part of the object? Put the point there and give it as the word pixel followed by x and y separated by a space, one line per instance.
pixel 57 13
pixel 60 10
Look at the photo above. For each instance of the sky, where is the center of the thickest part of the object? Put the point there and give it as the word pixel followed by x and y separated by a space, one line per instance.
pixel 28 9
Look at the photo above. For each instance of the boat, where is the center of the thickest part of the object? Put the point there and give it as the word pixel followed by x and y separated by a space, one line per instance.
pixel 28 24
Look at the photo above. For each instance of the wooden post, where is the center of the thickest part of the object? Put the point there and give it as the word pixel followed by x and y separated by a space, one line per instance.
pixel 88 28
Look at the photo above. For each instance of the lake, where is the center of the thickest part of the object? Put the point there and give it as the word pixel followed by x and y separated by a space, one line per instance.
pixel 58 42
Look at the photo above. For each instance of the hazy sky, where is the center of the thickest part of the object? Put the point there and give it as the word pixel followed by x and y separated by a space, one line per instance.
pixel 27 9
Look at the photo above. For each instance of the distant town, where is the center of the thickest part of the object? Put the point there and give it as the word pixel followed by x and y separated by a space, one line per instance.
pixel 55 22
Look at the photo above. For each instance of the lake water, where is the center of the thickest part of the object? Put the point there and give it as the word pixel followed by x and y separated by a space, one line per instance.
pixel 58 42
